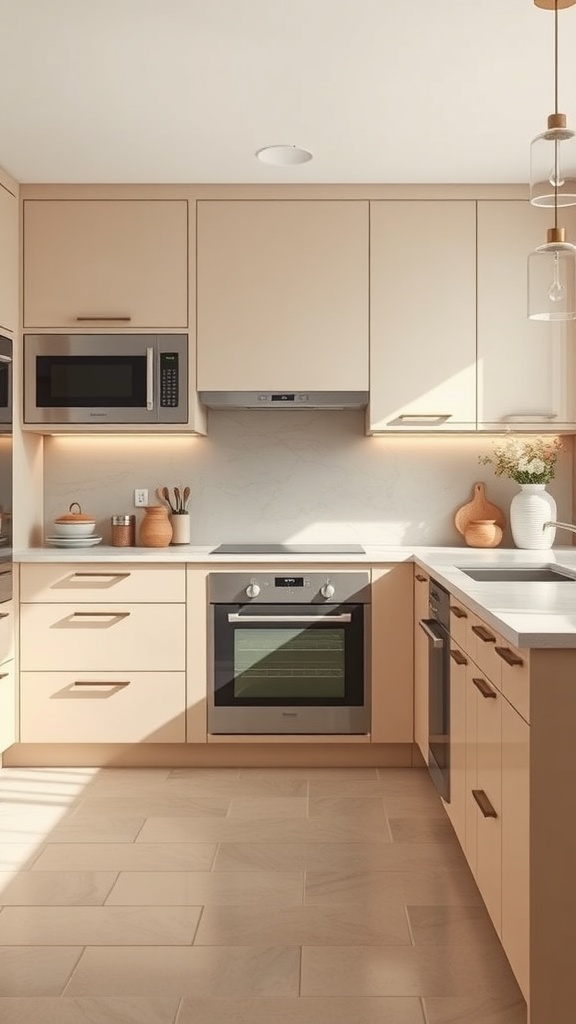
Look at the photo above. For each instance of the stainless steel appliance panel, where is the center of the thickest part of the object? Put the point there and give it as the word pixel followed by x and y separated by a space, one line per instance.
pixel 437 630
pixel 103 378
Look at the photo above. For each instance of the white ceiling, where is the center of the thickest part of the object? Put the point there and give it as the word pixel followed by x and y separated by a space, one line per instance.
pixel 187 90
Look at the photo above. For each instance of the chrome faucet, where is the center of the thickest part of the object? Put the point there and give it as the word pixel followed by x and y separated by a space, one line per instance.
pixel 563 526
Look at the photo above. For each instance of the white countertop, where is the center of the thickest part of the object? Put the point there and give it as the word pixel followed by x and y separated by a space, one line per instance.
pixel 526 614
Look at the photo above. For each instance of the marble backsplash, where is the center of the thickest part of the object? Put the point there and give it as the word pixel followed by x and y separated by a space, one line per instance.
pixel 290 476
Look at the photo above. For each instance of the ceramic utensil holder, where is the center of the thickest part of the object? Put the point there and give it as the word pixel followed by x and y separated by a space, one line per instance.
pixel 180 528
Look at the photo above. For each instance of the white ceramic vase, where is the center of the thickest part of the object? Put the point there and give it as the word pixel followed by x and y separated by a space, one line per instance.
pixel 529 510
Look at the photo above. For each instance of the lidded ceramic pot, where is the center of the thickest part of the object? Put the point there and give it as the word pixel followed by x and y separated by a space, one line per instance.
pixel 155 528
pixel 74 524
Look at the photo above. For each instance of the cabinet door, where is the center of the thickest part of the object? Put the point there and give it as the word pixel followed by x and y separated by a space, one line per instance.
pixel 515 843
pixel 525 367
pixel 392 659
pixel 8 718
pixel 488 796
pixel 282 295
pixel 9 258
pixel 117 263
pixel 421 580
pixel 422 315
pixel 456 808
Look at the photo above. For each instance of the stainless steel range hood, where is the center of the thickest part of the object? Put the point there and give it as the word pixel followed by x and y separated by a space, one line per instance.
pixel 284 399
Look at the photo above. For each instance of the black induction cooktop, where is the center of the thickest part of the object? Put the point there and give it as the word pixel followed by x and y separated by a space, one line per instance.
pixel 288 549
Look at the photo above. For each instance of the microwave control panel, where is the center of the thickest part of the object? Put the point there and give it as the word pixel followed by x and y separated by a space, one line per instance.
pixel 169 379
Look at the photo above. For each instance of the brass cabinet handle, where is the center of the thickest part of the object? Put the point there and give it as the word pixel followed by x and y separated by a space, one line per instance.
pixel 484 634
pixel 458 612
pixel 420 419
pixel 100 615
pixel 421 579
pixel 4 615
pixel 484 803
pixel 101 682
pixel 484 688
pixel 458 657
pixel 4 675
pixel 99 575
pixel 508 656
pixel 116 319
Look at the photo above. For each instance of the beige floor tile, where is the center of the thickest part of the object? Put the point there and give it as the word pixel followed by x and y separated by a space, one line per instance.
pixel 434 888
pixel 303 926
pixel 204 775
pixel 195 970
pixel 96 828
pixel 256 807
pixel 126 857
pixel 265 830
pixel 203 888
pixel 300 1011
pixel 57 888
pixel 14 856
pixel 450 925
pixel 414 805
pixel 97 926
pixel 422 830
pixel 36 970
pixel 278 785
pixel 84 1010
pixel 410 781
pixel 236 783
pixel 309 773
pixel 475 1010
pixel 405 971
pixel 147 806
pixel 30 825
pixel 338 856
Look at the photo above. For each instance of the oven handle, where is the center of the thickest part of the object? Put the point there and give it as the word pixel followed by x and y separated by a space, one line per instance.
pixel 149 379
pixel 236 617
pixel 437 641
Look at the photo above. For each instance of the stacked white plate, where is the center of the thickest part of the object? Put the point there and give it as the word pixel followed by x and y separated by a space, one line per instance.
pixel 74 531
pixel 74 542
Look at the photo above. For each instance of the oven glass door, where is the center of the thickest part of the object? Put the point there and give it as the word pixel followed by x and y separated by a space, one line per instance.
pixel 91 381
pixel 288 655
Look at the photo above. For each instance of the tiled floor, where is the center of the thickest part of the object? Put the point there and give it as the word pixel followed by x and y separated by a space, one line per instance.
pixel 240 896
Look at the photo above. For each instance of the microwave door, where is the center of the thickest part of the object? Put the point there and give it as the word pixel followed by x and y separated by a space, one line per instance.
pixel 6 377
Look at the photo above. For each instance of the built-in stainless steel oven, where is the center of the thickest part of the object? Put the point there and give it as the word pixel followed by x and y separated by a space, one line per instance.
pixel 437 629
pixel 99 378
pixel 289 652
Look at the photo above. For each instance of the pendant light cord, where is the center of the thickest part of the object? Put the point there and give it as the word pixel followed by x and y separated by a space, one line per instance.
pixel 556 169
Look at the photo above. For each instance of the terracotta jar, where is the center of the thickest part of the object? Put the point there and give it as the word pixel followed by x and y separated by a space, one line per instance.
pixel 483 533
pixel 155 528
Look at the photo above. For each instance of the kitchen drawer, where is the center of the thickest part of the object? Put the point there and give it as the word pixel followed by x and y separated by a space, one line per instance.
pixel 119 637
pixel 102 582
pixel 488 797
pixel 6 631
pixel 110 707
pixel 515 677
pixel 482 649
pixel 460 624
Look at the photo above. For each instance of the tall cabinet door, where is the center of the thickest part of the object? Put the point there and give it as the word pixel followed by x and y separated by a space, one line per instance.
pixel 516 842
pixel 525 367
pixel 282 295
pixel 8 260
pixel 422 315
pixel 421 581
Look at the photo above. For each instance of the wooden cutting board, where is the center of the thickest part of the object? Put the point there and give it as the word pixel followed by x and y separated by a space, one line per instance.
pixel 478 508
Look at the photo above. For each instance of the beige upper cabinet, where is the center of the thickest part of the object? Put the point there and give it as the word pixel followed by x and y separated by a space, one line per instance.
pixel 525 367
pixel 99 264
pixel 8 260
pixel 282 295
pixel 422 315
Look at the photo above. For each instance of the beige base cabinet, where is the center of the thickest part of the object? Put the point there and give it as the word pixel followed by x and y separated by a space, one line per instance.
pixel 525 367
pixel 516 842
pixel 102 653
pixel 282 300
pixel 421 580
pixel 8 706
pixel 392 669
pixel 456 807
pixel 94 264
pixel 422 315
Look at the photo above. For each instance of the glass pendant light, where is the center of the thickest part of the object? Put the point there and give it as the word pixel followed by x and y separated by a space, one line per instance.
pixel 553 152
pixel 552 266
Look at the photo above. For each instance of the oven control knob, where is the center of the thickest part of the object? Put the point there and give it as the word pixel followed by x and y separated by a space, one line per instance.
pixel 327 590
pixel 252 590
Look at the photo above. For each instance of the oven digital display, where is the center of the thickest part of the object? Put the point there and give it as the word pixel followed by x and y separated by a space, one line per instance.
pixel 289 581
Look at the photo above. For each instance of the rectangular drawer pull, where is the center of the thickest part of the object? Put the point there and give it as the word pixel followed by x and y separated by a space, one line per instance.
pixel 484 634
pixel 458 657
pixel 421 579
pixel 4 615
pixel 101 575
pixel 116 319
pixel 508 656
pixel 4 675
pixel 484 688
pixel 484 803
pixel 101 682
pixel 458 612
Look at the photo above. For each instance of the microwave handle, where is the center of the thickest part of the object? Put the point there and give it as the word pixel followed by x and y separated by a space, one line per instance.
pixel 149 379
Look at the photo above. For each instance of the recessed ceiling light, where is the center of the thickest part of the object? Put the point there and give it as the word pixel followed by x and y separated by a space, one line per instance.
pixel 283 156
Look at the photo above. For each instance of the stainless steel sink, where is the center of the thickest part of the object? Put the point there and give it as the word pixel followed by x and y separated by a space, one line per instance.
pixel 520 574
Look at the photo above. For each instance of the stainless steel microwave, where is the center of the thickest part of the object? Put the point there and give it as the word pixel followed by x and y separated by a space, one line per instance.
pixel 105 378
